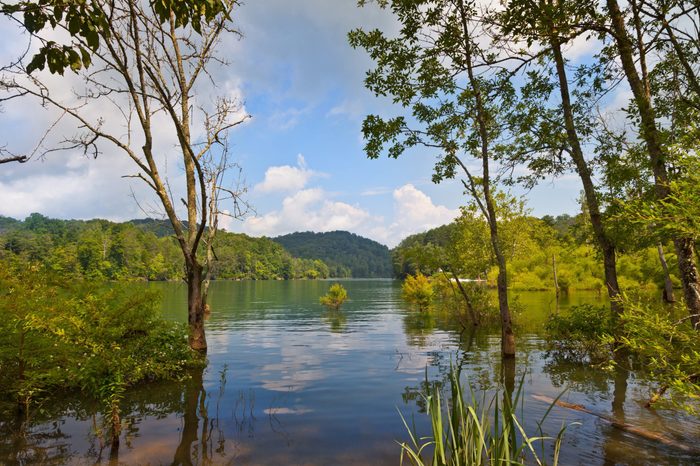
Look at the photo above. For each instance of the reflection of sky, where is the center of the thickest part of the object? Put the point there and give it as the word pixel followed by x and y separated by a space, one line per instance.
pixel 296 390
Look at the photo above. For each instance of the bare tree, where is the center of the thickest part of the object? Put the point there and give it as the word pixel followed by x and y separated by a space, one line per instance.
pixel 143 94
pixel 220 194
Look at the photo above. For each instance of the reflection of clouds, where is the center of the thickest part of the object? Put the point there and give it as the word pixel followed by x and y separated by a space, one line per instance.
pixel 412 363
pixel 276 411
pixel 297 370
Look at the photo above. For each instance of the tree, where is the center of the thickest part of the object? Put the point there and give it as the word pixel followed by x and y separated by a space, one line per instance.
pixel 664 23
pixel 551 24
pixel 88 23
pixel 336 296
pixel 418 290
pixel 457 96
pixel 147 68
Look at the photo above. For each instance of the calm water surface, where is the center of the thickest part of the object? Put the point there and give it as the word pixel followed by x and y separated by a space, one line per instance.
pixel 289 383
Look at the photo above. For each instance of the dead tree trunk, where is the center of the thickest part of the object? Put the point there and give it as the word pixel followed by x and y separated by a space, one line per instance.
pixel 467 300
pixel 554 275
pixel 195 306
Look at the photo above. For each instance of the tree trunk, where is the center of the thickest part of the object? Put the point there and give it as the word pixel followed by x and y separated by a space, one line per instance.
pixel 554 274
pixel 489 210
pixel 668 285
pixel 689 277
pixel 195 306
pixel 606 246
pixel 507 335
pixel 467 300
pixel 649 132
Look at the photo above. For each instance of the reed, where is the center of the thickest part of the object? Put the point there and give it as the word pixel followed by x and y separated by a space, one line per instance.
pixel 472 431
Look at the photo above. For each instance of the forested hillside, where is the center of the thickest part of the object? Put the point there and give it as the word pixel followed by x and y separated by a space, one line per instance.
pixel 142 249
pixel 347 254
pixel 534 249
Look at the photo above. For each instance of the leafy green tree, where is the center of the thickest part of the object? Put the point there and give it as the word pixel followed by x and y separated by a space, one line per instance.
pixel 635 32
pixel 336 296
pixel 156 54
pixel 550 25
pixel 418 290
pixel 437 69
pixel 88 23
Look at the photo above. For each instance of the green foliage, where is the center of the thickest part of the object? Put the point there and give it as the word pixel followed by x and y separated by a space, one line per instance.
pixel 57 334
pixel 88 25
pixel 530 245
pixel 143 250
pixel 668 349
pixel 336 296
pixel 418 290
pixel 466 432
pixel 347 254
pixel 576 333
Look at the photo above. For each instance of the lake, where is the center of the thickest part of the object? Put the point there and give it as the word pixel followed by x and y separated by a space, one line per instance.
pixel 289 383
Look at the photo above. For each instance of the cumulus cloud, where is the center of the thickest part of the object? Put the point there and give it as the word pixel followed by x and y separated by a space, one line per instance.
pixel 286 177
pixel 315 209
pixel 414 212
pixel 308 209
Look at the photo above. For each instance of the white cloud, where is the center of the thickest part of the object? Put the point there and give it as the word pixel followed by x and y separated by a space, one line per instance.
pixel 286 177
pixel 375 191
pixel 314 209
pixel 414 212
pixel 308 209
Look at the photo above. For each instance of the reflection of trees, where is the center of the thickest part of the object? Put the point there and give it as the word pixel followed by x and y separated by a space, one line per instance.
pixel 615 436
pixel 30 439
pixel 418 326
pixel 201 446
pixel 578 376
pixel 41 438
pixel 336 320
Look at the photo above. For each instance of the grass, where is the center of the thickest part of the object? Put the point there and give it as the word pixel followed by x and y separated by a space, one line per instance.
pixel 476 432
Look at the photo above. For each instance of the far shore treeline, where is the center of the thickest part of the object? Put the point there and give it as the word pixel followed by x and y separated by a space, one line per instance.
pixel 146 250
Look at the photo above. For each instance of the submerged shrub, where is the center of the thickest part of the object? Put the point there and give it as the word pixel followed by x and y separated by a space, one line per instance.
pixel 576 334
pixel 668 349
pixel 98 338
pixel 418 290
pixel 336 296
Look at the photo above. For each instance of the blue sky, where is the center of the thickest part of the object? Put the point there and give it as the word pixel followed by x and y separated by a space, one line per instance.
pixel 301 151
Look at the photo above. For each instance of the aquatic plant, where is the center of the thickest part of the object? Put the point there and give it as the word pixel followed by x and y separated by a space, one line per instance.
pixel 418 290
pixel 336 296
pixel 475 432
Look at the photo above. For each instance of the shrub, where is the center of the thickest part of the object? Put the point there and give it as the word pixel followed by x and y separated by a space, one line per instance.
pixel 418 290
pixel 576 334
pixel 97 338
pixel 668 348
pixel 336 296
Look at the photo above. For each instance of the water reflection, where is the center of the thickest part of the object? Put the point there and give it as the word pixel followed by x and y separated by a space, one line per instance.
pixel 336 319
pixel 289 382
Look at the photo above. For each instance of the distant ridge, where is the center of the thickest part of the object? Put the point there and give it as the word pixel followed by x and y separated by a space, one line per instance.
pixel 347 254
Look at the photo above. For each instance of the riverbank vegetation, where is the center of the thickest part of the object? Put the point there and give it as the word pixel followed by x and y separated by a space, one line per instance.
pixel 143 250
pixel 61 335
pixel 543 254
pixel 468 430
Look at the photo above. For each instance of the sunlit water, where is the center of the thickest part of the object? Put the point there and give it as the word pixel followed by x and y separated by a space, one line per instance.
pixel 290 383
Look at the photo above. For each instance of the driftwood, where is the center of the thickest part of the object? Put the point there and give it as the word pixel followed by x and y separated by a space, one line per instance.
pixel 639 431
